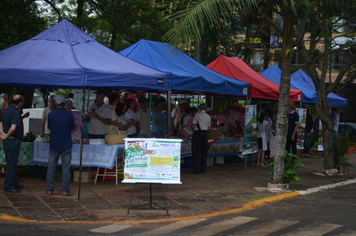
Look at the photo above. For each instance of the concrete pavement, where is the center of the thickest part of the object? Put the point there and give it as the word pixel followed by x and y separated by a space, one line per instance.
pixel 223 189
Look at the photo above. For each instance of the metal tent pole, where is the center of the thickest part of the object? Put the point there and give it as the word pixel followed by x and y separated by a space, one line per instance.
pixel 169 92
pixel 81 145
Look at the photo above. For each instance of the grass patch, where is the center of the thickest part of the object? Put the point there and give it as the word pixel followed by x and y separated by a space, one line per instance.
pixel 236 198
pixel 259 197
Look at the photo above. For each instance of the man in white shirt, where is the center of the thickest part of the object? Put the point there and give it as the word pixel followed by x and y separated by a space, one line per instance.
pixel 201 123
pixel 99 116
pixel 44 125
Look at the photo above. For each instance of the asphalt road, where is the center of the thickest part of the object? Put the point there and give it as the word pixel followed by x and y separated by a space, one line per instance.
pixel 328 212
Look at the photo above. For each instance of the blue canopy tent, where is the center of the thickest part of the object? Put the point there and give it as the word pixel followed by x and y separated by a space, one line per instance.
pixel 63 56
pixel 186 74
pixel 273 73
pixel 332 99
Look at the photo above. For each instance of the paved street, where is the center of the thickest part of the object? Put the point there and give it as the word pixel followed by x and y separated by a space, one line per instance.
pixel 329 212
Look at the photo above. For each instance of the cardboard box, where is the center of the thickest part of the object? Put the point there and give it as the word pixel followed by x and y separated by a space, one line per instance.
pixel 87 176
pixel 213 134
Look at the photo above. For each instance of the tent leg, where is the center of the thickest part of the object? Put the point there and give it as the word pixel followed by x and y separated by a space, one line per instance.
pixel 81 145
pixel 169 93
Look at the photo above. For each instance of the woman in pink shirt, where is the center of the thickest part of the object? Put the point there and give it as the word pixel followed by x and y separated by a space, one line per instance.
pixel 225 117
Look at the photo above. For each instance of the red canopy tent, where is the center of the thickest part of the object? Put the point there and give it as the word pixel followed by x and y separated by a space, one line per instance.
pixel 259 86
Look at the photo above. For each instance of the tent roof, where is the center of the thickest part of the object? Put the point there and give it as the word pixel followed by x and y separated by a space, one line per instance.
pixel 260 87
pixel 273 73
pixel 186 74
pixel 332 99
pixel 66 57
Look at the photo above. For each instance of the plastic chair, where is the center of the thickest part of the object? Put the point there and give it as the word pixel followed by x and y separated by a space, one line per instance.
pixel 116 173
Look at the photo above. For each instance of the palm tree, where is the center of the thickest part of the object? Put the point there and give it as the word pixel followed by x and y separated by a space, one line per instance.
pixel 190 22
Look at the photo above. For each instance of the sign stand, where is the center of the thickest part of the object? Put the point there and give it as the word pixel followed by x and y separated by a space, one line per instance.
pixel 151 205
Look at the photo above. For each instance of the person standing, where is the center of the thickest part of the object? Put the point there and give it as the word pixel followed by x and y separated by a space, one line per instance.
pixel 178 113
pixel 262 138
pixel 308 128
pixel 134 129
pixel 186 123
pixel 76 134
pixel 159 119
pixel 293 125
pixel 99 116
pixel 122 122
pixel 241 118
pixel 12 139
pixel 263 109
pixel 61 123
pixel 234 110
pixel 201 123
pixel 270 134
pixel 334 117
pixel 143 117
pixel 274 118
pixel 44 124
pixel 71 98
pixel 132 95
pixel 113 100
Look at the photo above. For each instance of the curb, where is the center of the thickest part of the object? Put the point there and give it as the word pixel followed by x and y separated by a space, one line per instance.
pixel 245 207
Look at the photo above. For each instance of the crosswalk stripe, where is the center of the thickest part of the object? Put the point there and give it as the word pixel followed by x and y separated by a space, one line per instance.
pixel 221 226
pixel 108 229
pixel 269 228
pixel 315 231
pixel 171 227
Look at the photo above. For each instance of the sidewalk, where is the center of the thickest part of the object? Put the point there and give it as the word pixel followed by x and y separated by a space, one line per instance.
pixel 223 187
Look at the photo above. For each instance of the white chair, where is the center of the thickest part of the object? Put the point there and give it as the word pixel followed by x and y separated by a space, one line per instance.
pixel 119 163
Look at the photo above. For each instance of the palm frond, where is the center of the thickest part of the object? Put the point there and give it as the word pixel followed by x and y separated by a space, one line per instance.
pixel 190 21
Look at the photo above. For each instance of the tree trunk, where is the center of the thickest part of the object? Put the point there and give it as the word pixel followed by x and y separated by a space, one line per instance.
pixel 247 56
pixel 328 148
pixel 328 128
pixel 113 38
pixel 284 91
pixel 319 82
pixel 80 7
pixel 44 92
pixel 266 38
pixel 196 54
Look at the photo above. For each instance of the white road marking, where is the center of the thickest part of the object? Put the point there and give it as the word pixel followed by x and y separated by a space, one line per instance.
pixel 220 226
pixel 315 231
pixel 171 227
pixel 329 186
pixel 268 228
pixel 108 229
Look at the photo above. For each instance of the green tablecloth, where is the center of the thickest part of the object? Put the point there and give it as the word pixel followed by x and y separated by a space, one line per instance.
pixel 24 158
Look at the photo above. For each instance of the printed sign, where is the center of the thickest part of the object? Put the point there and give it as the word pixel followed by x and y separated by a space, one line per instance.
pixel 250 131
pixel 152 160
pixel 197 99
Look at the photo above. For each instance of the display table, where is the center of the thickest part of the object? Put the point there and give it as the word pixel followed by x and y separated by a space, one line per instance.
pixel 229 147
pixel 186 147
pixel 24 158
pixel 93 155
